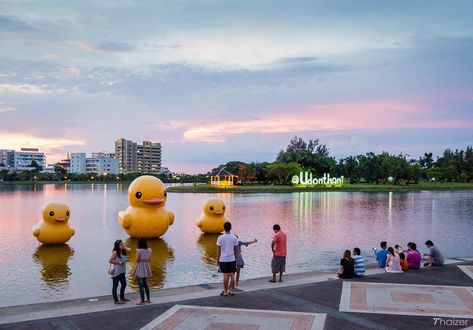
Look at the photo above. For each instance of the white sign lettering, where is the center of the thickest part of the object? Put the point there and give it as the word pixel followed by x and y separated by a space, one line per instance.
pixel 305 179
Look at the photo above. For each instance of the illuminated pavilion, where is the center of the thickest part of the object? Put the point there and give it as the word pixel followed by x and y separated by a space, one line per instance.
pixel 222 178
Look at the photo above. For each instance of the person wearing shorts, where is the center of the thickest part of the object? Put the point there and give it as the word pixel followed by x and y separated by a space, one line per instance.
pixel 226 251
pixel 279 248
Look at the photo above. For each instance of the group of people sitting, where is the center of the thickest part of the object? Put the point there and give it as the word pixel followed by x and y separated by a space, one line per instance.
pixel 393 260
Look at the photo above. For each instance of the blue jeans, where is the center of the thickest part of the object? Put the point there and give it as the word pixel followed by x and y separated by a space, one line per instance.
pixel 122 280
pixel 143 285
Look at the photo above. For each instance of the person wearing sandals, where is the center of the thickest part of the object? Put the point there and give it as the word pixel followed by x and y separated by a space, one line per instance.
pixel 239 258
pixel 143 270
pixel 118 260
pixel 226 252
pixel 279 248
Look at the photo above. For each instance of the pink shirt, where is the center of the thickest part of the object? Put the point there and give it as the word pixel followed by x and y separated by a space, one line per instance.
pixel 413 259
pixel 280 244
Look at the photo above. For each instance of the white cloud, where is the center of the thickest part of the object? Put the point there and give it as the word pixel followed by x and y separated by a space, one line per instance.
pixel 5 108
pixel 22 88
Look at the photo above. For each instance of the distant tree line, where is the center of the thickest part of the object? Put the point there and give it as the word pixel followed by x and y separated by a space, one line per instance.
pixel 299 155
pixel 60 174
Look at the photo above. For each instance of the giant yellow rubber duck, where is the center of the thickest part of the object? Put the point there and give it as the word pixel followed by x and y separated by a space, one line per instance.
pixel 54 228
pixel 213 218
pixel 146 216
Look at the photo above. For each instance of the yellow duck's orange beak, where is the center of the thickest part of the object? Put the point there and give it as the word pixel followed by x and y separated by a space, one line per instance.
pixel 218 212
pixel 59 219
pixel 153 201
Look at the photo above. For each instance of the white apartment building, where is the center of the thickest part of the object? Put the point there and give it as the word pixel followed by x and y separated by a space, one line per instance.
pixel 98 164
pixel 103 154
pixel 102 165
pixel 21 160
pixel 78 163
pixel 6 156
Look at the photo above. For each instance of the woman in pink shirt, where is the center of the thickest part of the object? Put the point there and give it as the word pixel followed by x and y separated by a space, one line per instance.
pixel 413 256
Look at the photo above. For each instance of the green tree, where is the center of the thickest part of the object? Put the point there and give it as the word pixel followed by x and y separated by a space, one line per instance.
pixel 261 171
pixel 36 166
pixel 369 168
pixel 426 161
pixel 282 172
pixel 59 170
pixel 310 155
pixel 246 172
pixel 349 168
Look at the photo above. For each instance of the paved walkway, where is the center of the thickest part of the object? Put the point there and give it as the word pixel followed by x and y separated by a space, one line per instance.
pixel 429 298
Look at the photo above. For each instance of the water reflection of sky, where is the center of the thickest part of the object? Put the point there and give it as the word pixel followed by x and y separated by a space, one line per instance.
pixel 319 225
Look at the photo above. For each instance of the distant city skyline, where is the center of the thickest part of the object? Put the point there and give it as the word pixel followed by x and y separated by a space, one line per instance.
pixel 219 81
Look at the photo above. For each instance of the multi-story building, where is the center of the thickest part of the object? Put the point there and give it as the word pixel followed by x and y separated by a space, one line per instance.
pixel 22 160
pixel 6 157
pixel 134 158
pixel 100 154
pixel 102 165
pixel 149 158
pixel 97 164
pixel 126 153
pixel 78 163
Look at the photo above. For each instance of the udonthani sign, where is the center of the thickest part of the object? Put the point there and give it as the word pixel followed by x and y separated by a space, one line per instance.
pixel 305 179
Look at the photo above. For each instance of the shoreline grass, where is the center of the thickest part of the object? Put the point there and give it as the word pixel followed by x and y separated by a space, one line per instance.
pixel 262 188
pixel 361 187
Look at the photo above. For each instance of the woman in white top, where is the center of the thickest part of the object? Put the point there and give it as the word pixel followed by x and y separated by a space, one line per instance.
pixel 393 263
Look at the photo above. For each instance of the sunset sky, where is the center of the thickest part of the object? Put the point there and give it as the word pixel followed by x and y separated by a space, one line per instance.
pixel 215 81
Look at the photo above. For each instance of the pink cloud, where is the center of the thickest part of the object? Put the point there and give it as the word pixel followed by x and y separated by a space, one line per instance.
pixel 341 116
pixel 52 147
pixel 190 168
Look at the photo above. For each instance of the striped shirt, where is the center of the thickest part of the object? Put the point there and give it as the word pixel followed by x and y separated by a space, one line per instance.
pixel 359 266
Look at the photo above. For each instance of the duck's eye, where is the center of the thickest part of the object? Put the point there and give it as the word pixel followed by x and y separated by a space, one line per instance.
pixel 165 194
pixel 211 208
pixel 51 213
pixel 223 207
pixel 67 213
pixel 138 195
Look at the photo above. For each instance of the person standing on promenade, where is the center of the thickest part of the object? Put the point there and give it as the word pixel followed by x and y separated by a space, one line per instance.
pixel 382 255
pixel 227 250
pixel 279 248
pixel 118 260
pixel 435 256
pixel 239 258
pixel 142 269
pixel 359 263
pixel 413 256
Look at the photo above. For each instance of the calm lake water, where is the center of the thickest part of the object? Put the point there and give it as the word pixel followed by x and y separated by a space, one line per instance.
pixel 319 225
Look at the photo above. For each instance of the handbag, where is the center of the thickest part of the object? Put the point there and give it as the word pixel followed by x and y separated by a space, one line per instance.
pixel 111 269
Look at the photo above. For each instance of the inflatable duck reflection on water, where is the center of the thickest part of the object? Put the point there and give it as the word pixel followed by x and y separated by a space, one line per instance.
pixel 54 228
pixel 146 216
pixel 213 218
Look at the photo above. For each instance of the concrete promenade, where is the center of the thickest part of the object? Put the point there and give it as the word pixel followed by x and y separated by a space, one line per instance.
pixel 431 298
